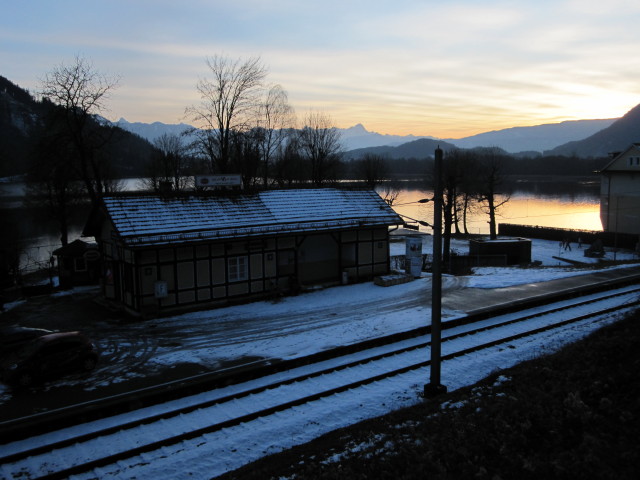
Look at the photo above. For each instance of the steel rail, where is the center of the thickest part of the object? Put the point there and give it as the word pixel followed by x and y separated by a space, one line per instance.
pixel 252 391
pixel 252 416
pixel 108 406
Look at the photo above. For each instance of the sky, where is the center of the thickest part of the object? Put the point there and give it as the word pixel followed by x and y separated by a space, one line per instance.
pixel 444 69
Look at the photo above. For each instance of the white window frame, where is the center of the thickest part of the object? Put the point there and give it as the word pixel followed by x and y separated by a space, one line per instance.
pixel 238 268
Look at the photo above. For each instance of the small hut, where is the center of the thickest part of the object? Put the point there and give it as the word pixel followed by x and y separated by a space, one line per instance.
pixel 78 264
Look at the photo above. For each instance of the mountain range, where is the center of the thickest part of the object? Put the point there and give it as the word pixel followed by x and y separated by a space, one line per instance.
pixel 533 140
pixel 20 114
pixel 614 138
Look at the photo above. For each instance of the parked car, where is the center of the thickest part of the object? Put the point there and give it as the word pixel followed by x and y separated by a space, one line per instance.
pixel 48 357
pixel 14 337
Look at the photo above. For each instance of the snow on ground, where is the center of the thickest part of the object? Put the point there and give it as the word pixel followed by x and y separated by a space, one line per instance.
pixel 320 320
pixel 315 321
pixel 216 453
pixel 300 325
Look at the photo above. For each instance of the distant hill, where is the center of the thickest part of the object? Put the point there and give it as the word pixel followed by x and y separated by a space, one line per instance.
pixel 421 148
pixel 20 117
pixel 615 138
pixel 536 138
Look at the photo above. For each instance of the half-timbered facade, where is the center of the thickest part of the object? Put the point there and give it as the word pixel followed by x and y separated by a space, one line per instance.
pixel 190 251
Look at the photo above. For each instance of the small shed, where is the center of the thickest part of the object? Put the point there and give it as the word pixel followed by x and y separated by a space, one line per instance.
pixel 78 263
pixel 194 250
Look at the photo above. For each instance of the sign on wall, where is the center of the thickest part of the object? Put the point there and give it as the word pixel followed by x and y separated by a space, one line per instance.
pixel 218 181
pixel 160 289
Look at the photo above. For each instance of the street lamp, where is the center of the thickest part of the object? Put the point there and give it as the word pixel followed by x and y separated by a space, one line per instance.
pixel 434 387
pixel 422 200
pixel 421 222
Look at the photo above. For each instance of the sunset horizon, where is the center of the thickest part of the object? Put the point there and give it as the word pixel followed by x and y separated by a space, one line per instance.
pixel 412 68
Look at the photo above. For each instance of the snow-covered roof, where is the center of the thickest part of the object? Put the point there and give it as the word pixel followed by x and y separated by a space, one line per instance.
pixel 153 219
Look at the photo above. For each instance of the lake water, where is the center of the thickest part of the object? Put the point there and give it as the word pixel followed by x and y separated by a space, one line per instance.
pixel 575 210
pixel 565 205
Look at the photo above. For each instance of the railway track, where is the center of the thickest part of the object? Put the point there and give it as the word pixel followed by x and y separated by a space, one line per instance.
pixel 150 438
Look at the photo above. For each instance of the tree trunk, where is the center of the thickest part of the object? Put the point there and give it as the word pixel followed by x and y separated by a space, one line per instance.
pixel 492 218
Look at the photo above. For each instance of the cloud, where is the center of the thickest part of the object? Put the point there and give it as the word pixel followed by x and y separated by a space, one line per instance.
pixel 424 67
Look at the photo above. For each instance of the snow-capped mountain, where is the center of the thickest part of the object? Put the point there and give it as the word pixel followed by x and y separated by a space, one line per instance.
pixel 537 138
pixel 359 137
pixel 151 131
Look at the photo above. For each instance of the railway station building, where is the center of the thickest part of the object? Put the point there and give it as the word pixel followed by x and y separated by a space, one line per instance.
pixel 178 252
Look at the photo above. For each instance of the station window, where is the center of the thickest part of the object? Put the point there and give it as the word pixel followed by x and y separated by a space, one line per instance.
pixel 237 268
pixel 80 264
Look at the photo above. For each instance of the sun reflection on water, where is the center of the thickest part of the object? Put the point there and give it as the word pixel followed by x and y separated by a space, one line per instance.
pixel 580 212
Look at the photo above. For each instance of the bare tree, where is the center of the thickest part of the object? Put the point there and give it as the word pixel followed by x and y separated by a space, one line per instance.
pixel 228 104
pixel 275 118
pixel 245 156
pixel 52 181
pixel 81 92
pixel 168 165
pixel 390 194
pixel 468 190
pixel 320 143
pixel 289 164
pixel 372 169
pixel 490 191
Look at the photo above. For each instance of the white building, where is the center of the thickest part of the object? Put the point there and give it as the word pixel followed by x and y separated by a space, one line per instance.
pixel 620 192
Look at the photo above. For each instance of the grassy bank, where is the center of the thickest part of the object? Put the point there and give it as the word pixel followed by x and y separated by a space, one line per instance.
pixel 573 414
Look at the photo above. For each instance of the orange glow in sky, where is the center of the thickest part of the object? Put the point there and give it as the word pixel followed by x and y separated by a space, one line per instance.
pixel 433 68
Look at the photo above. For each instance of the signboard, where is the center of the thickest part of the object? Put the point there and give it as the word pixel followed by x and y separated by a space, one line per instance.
pixel 160 289
pixel 413 255
pixel 91 255
pixel 218 181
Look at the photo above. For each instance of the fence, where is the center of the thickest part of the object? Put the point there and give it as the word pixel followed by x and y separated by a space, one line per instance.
pixel 609 239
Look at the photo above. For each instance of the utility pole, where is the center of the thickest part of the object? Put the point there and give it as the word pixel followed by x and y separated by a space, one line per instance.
pixel 434 387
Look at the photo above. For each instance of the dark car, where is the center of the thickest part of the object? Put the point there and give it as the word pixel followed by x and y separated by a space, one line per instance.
pixel 48 357
pixel 14 337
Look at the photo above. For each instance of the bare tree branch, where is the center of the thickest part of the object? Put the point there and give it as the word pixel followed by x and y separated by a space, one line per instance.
pixel 228 104
pixel 81 92
pixel 320 143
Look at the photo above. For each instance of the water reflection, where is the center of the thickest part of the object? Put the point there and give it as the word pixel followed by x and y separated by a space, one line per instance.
pixel 580 211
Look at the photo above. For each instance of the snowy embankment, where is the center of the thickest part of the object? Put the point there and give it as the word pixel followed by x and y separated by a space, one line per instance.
pixel 301 325
pixel 214 453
